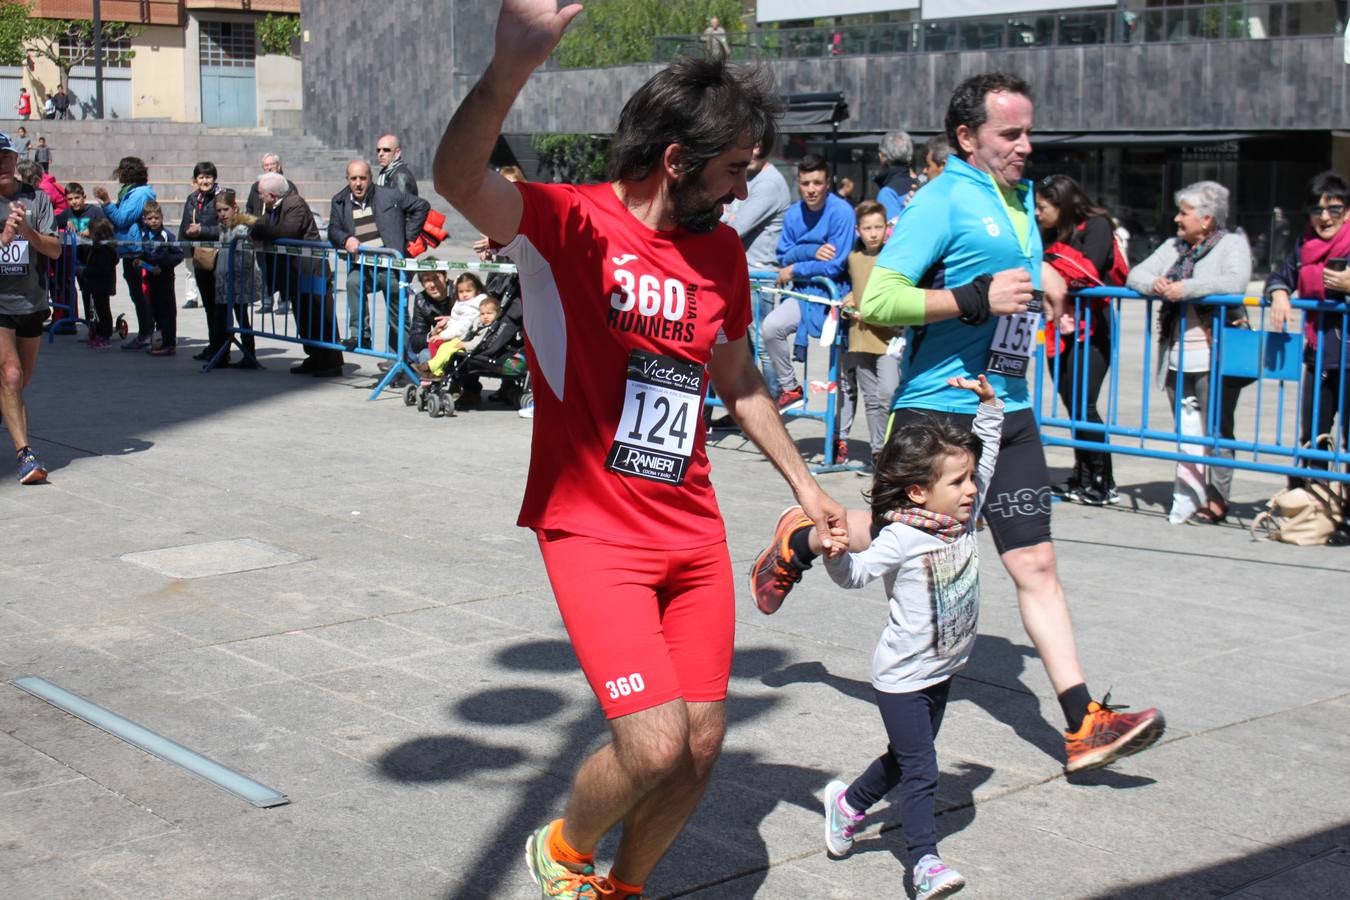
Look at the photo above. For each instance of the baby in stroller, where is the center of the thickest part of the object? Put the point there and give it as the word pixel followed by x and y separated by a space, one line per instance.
pixel 491 347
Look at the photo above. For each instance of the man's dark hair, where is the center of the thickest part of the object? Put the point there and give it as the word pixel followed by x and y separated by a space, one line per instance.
pixel 813 162
pixel 204 168
pixel 706 105
pixel 131 170
pixel 74 187
pixel 937 149
pixel 969 106
pixel 1329 183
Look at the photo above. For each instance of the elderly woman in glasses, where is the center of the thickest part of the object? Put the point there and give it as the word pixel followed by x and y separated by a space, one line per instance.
pixel 1205 258
pixel 1316 270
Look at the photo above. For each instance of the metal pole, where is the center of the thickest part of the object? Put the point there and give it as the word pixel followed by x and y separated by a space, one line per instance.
pixel 98 60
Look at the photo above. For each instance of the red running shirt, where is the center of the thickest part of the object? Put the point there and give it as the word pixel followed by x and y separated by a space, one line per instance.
pixel 619 322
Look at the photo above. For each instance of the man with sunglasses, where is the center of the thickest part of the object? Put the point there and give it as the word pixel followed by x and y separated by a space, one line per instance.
pixel 394 172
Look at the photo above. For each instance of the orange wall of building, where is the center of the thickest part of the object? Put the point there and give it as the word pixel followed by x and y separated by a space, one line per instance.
pixel 154 12
pixel 145 12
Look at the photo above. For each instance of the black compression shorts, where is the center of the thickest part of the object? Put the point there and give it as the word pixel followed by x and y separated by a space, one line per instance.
pixel 1017 505
pixel 25 325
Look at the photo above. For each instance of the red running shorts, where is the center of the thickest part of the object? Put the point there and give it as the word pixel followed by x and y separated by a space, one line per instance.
pixel 648 626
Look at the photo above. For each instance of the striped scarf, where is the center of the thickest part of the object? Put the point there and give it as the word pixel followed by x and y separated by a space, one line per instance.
pixel 944 528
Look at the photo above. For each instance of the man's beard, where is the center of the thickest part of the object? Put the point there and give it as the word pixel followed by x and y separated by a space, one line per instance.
pixel 694 210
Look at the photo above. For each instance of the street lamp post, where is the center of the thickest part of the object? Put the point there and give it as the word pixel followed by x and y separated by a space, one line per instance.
pixel 98 60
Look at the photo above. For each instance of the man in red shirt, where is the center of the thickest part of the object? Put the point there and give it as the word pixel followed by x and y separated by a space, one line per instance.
pixel 634 295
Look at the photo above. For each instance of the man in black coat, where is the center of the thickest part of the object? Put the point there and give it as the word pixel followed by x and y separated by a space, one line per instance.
pixel 305 282
pixel 366 217
pixel 394 172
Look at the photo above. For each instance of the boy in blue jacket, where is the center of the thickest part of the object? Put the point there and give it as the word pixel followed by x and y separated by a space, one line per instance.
pixel 817 234
pixel 158 257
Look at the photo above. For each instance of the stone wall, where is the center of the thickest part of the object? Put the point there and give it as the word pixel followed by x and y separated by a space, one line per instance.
pixel 369 72
pixel 1296 83
pixel 365 75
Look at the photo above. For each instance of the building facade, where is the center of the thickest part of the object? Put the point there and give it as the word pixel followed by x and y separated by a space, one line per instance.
pixel 1136 99
pixel 192 61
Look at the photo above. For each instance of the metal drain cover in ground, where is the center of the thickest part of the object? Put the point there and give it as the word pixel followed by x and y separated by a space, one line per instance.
pixel 213 558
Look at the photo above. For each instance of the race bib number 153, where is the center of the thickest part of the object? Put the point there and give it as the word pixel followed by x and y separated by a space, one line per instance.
pixel 1015 340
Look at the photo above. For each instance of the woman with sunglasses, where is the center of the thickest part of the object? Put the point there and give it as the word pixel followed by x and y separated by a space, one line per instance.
pixel 1204 259
pixel 1080 245
pixel 1316 270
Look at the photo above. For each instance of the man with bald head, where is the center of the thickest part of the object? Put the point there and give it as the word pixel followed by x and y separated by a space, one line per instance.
pixel 394 172
pixel 368 216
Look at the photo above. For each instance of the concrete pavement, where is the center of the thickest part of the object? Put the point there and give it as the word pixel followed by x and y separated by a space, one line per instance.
pixel 334 600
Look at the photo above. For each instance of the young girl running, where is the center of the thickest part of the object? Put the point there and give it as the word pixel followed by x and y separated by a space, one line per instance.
pixel 926 495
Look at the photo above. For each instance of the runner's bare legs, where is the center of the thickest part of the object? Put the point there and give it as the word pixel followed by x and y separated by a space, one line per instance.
pixel 653 824
pixel 18 360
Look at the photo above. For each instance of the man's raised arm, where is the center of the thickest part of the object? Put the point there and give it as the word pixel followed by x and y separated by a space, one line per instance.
pixel 527 32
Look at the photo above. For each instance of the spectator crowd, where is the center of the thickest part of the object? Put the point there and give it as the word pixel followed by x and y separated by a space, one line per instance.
pixel 828 231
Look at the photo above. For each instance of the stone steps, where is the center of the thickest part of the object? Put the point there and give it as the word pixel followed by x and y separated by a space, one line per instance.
pixel 88 151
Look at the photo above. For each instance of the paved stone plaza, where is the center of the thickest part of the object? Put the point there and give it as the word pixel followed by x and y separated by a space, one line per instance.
pixel 330 596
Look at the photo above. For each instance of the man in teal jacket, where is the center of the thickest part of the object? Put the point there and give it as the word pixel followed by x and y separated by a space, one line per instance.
pixel 973 231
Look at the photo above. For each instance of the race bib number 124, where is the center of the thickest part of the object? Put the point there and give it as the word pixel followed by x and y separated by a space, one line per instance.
pixel 662 401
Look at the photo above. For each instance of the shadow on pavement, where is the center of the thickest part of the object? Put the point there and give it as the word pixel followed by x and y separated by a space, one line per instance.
pixel 990 681
pixel 545 776
pixel 1322 872
pixel 993 682
pixel 955 812
pixel 445 758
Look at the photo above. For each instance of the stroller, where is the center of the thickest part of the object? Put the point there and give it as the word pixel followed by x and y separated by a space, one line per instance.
pixel 500 354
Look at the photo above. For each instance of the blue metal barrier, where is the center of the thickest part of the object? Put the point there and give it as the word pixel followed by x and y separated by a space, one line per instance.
pixel 305 275
pixel 63 290
pixel 1241 359
pixel 763 286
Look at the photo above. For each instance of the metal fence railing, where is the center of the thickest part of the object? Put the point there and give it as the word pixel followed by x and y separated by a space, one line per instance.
pixel 1273 402
pixel 1233 20
pixel 765 295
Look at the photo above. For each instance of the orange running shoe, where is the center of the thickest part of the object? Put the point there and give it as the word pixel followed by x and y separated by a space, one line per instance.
pixel 1106 735
pixel 773 574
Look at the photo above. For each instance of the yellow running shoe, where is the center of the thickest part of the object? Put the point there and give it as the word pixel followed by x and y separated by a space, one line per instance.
pixel 555 880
